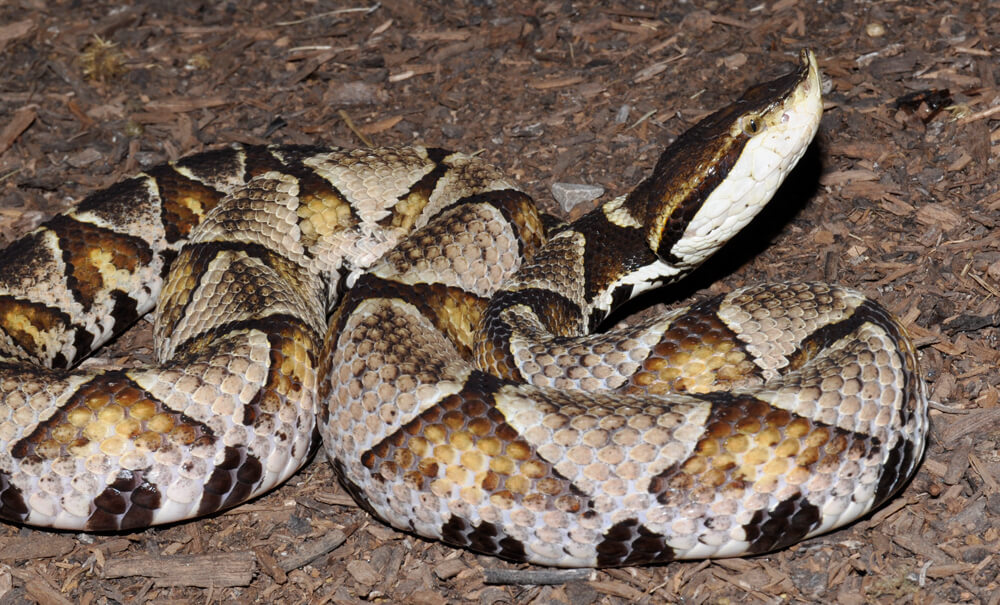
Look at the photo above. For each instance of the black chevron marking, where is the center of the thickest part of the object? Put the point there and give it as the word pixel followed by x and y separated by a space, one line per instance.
pixel 130 502
pixel 232 481
pixel 631 543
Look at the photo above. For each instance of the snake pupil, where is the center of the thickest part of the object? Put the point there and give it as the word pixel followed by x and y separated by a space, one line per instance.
pixel 751 125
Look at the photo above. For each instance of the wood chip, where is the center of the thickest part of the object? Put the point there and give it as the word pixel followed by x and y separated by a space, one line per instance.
pixel 39 545
pixel 363 572
pixel 14 31
pixel 449 568
pixel 842 177
pixel 617 589
pixel 182 105
pixel 208 570
pixel 939 214
pixel 19 123
pixel 306 552
pixel 550 83
pixel 39 589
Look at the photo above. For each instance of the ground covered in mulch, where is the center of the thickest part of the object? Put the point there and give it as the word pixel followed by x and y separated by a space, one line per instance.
pixel 899 197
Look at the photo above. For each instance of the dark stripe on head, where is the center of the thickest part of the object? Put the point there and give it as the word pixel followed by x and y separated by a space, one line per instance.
pixel 631 543
pixel 701 158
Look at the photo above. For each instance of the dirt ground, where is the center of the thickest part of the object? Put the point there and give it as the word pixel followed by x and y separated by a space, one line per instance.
pixel 899 197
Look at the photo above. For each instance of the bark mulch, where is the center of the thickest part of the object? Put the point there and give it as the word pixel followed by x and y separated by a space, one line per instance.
pixel 899 197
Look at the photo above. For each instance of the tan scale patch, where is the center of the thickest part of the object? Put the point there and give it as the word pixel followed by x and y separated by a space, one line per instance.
pixel 323 212
pixel 463 447
pixel 773 321
pixel 372 182
pixel 108 416
pixel 697 354
pixel 471 247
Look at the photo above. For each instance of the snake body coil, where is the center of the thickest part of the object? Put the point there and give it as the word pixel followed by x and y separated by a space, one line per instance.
pixel 458 385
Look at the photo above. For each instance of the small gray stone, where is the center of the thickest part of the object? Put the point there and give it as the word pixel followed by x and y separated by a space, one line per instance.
pixel 82 159
pixel 569 195
pixel 621 116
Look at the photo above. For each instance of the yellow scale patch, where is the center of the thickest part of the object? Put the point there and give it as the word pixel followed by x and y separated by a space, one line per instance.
pixel 108 415
pixel 323 213
pixel 470 449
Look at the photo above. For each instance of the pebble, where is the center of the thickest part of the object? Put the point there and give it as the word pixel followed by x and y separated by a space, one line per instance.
pixel 570 195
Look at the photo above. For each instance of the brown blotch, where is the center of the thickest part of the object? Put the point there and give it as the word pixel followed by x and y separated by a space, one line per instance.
pixel 184 202
pixel 88 250
pixel 12 505
pixel 486 538
pixel 732 460
pixel 697 336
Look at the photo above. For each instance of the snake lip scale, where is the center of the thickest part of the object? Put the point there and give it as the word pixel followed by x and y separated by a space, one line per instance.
pixel 414 310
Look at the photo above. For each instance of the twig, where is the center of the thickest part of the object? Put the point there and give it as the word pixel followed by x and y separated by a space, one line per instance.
pixel 354 129
pixel 536 576
pixel 340 11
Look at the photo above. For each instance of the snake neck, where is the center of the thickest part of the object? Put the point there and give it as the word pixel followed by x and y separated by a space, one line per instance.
pixel 707 186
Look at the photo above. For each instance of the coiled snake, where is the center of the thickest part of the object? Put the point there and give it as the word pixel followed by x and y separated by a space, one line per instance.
pixel 459 389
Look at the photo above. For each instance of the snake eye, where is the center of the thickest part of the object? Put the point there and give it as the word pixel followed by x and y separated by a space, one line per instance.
pixel 752 124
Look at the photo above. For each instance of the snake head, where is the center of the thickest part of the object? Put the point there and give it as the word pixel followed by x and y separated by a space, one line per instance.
pixel 716 177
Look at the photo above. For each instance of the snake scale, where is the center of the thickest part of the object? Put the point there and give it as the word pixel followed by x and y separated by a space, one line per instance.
pixel 414 310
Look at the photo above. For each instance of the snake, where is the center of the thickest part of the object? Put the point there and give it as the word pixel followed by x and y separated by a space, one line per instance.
pixel 415 312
